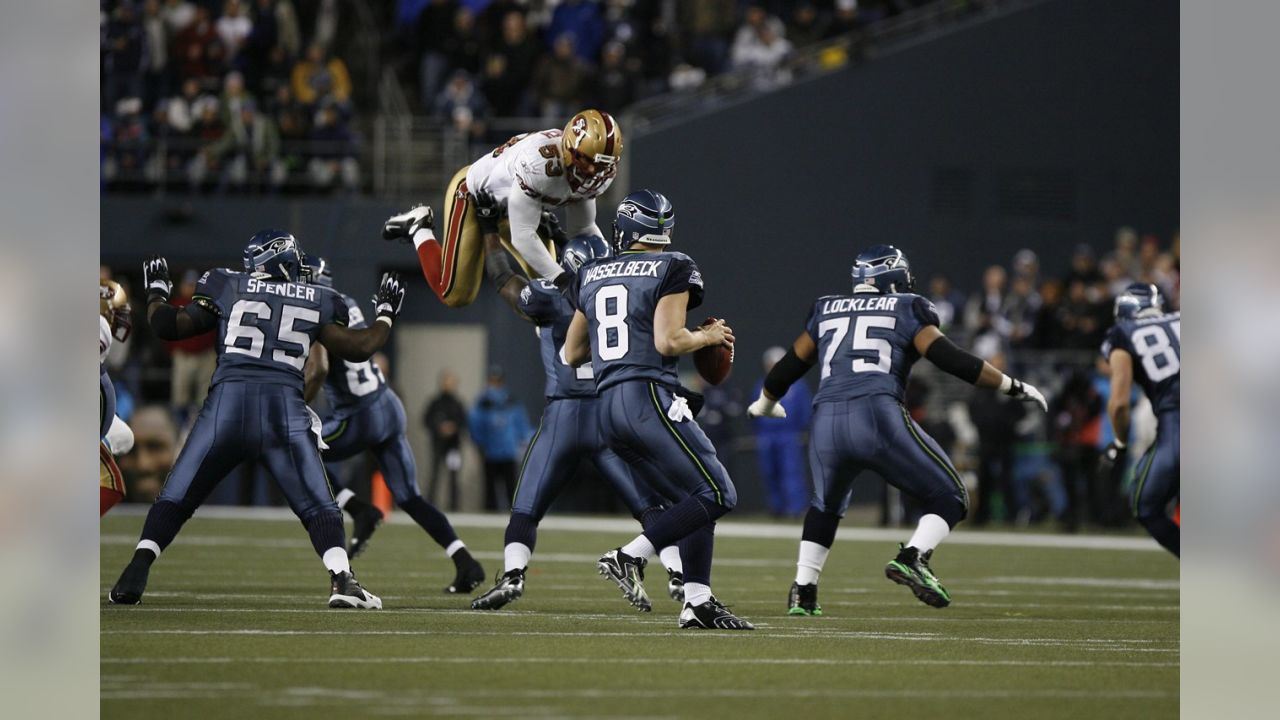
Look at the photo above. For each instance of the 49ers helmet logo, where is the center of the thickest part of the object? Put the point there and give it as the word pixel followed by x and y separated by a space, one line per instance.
pixel 579 130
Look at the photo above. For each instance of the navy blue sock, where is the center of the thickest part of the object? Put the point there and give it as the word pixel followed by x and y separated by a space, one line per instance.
pixel 523 529
pixel 820 527
pixel 431 520
pixel 649 515
pixel 1166 532
pixel 695 553
pixel 326 531
pixel 164 520
pixel 683 518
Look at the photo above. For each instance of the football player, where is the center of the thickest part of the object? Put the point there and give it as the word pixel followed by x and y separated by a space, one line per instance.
pixel 366 414
pixel 114 436
pixel 530 172
pixel 568 431
pixel 1146 344
pixel 266 321
pixel 867 342
pixel 630 325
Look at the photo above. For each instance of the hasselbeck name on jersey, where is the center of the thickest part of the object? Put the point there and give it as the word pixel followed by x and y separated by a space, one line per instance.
pixel 624 268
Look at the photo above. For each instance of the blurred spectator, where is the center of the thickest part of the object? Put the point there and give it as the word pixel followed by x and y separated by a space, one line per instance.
pixel 233 28
pixel 294 124
pixel 560 80
pixel 333 151
pixel 498 426
pixel 1076 422
pixel 445 419
pixel 193 359
pixel 432 31
pixel 1050 329
pixel 178 14
pixel 616 83
pixel 462 105
pixel 124 45
pixel 984 313
pixel 708 24
pixel 945 299
pixel 509 68
pixel 779 446
pixel 1084 266
pixel 234 97
pixel 806 25
pixel 1026 264
pixel 759 45
pixel 1020 308
pixel 462 47
pixel 1114 277
pixel 996 416
pixel 1084 320
pixel 319 76
pixel 129 139
pixel 155 447
pixel 197 50
pixel 155 78
pixel 582 20
pixel 178 116
pixel 249 151
pixel 1126 251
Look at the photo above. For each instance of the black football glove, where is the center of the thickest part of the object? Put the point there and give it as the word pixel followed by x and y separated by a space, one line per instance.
pixel 390 297
pixel 1113 462
pixel 563 282
pixel 488 211
pixel 155 277
pixel 549 227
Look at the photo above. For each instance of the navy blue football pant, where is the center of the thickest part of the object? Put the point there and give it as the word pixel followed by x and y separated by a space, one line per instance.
pixel 569 432
pixel 378 427
pixel 876 433
pixel 1156 482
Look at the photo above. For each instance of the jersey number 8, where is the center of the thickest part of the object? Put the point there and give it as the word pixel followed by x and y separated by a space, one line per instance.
pixel 612 337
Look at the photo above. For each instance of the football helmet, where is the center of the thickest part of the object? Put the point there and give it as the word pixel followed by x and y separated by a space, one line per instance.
pixel 113 306
pixel 317 271
pixel 590 149
pixel 1139 299
pixel 274 253
pixel 885 268
pixel 643 216
pixel 581 250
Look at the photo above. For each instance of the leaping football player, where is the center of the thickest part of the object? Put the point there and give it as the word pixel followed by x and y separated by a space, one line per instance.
pixel 366 414
pixel 630 325
pixel 569 430
pixel 1145 345
pixel 529 173
pixel 867 343
pixel 114 436
pixel 266 321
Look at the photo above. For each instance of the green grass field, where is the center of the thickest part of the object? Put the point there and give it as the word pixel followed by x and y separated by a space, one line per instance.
pixel 234 626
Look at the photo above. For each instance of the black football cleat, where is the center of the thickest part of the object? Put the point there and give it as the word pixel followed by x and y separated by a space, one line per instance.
pixel 509 587
pixel 911 568
pixel 628 574
pixel 403 226
pixel 803 600
pixel 132 583
pixel 675 585
pixel 363 525
pixel 711 615
pixel 467 578
pixel 345 592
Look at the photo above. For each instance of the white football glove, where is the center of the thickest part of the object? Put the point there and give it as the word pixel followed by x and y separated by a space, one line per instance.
pixel 1020 390
pixel 764 407
pixel 155 277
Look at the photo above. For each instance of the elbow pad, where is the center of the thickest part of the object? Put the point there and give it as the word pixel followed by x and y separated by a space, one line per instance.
pixel 952 360
pixel 784 374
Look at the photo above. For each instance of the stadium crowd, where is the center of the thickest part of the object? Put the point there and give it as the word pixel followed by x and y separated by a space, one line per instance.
pixel 1023 467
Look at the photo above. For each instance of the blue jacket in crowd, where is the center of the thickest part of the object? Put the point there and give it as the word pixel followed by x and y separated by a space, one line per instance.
pixel 499 425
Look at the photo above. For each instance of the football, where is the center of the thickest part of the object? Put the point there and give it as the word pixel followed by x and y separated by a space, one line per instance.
pixel 714 362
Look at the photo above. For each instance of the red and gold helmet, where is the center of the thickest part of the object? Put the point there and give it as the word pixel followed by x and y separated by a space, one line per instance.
pixel 113 305
pixel 591 148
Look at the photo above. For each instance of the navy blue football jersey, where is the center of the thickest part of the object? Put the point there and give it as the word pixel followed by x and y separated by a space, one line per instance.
pixel 352 385
pixel 1156 346
pixel 265 326
pixel 866 342
pixel 551 312
pixel 619 296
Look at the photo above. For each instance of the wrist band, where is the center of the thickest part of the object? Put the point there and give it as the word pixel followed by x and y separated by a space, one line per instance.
pixel 1006 382
pixel 384 318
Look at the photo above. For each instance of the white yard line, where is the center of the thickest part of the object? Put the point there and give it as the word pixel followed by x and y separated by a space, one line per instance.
pixel 724 528
pixel 515 660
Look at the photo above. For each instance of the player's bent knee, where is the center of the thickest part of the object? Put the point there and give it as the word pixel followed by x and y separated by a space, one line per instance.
pixel 951 508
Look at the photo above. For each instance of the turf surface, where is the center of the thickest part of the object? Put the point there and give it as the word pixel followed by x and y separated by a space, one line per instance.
pixel 234 626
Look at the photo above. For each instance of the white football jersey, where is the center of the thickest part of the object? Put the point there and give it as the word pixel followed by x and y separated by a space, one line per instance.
pixel 531 164
pixel 104 339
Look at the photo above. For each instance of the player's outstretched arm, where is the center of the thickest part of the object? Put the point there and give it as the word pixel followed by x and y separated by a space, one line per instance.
pixel 496 264
pixel 524 214
pixel 672 338
pixel 314 372
pixel 784 373
pixel 358 345
pixel 169 322
pixel 951 359
pixel 1113 457
pixel 577 344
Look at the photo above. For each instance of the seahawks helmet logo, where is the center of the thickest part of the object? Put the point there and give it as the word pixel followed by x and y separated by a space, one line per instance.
pixel 627 210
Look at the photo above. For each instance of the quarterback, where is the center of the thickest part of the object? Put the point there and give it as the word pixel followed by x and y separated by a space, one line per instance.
pixel 530 173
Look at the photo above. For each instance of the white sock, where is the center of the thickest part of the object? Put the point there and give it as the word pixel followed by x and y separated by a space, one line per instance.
pixel 454 547
pixel 809 566
pixel 670 556
pixel 149 545
pixel 639 548
pixel 422 236
pixel 931 531
pixel 343 496
pixel 336 560
pixel 696 593
pixel 516 556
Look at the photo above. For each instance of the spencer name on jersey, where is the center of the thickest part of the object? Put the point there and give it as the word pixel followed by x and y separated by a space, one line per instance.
pixel 551 313
pixel 619 296
pixel 350 386
pixel 866 343
pixel 1155 343
pixel 265 327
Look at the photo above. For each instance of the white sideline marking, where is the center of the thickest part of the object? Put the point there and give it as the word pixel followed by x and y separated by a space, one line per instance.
pixel 1129 583
pixel 725 528
pixel 484 660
